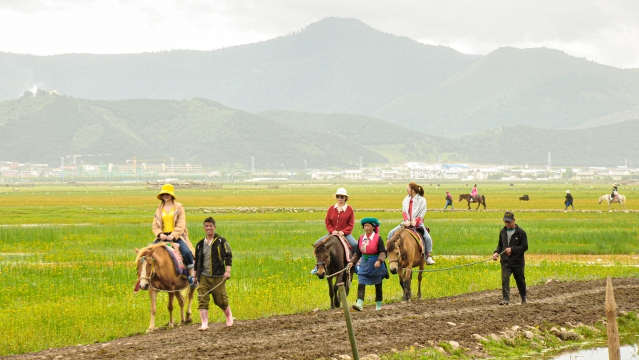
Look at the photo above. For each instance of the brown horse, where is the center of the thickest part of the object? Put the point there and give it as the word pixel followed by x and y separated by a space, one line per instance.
pixel 157 273
pixel 331 259
pixel 404 253
pixel 482 200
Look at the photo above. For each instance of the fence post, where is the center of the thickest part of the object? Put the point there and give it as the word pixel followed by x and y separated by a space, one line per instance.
pixel 349 322
pixel 614 353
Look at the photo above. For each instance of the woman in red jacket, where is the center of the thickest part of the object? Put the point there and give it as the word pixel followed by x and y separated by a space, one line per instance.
pixel 340 220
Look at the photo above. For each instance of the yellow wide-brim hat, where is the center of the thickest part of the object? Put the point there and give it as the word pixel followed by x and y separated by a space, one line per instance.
pixel 166 189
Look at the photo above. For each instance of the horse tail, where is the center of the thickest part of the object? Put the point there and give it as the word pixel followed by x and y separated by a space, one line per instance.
pixel 483 198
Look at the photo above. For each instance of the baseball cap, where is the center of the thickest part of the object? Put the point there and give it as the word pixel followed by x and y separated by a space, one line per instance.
pixel 509 216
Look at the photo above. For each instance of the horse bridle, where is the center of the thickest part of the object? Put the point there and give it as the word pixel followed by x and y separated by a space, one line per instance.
pixel 152 272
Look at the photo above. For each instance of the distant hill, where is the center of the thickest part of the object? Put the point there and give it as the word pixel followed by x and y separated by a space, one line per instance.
pixel 200 131
pixel 607 145
pixel 543 88
pixel 334 65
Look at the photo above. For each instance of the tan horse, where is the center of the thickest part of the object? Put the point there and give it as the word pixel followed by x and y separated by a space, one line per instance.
pixel 404 253
pixel 621 199
pixel 156 273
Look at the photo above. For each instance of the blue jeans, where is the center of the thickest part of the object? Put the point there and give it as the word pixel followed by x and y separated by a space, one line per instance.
pixel 187 255
pixel 349 237
pixel 428 241
pixel 449 202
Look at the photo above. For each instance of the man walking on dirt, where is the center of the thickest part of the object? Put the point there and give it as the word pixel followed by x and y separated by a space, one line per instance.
pixel 513 242
pixel 212 269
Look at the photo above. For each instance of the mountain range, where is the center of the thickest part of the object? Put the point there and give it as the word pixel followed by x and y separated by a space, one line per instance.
pixel 47 126
pixel 344 66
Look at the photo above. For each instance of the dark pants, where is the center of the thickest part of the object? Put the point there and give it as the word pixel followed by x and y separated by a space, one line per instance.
pixel 361 291
pixel 520 279
pixel 568 203
pixel 187 255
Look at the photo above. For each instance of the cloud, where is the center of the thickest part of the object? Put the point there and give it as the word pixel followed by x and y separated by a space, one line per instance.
pixel 604 31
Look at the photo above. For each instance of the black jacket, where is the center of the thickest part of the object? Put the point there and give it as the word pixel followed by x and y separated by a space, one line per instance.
pixel 569 198
pixel 221 256
pixel 518 245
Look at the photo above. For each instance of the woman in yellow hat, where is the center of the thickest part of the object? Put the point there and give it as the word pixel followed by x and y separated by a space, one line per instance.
pixel 169 224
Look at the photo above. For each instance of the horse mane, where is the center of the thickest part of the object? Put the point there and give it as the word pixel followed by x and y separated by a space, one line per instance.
pixel 147 250
pixel 391 244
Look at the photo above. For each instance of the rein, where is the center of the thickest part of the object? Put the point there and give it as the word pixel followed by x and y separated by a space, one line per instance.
pixel 449 268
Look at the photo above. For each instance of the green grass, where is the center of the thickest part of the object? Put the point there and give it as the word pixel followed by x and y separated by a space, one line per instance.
pixel 70 284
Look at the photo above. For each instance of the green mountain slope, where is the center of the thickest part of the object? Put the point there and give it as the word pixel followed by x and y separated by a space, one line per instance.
pixel 536 87
pixel 201 131
pixel 334 65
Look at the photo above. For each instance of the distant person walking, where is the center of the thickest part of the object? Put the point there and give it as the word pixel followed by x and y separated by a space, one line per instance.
pixel 449 200
pixel 513 241
pixel 569 200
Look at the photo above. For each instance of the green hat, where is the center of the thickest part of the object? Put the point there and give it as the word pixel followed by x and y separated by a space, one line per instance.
pixel 370 220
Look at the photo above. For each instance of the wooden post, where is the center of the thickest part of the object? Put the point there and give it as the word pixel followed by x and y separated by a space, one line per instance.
pixel 614 353
pixel 349 322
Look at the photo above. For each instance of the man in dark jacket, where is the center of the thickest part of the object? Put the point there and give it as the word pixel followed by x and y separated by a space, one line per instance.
pixel 213 260
pixel 513 242
pixel 569 200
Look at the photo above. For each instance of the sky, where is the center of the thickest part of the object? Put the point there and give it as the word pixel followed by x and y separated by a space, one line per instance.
pixel 606 32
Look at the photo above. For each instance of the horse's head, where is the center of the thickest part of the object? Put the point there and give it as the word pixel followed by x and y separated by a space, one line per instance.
pixel 322 257
pixel 394 251
pixel 460 197
pixel 144 261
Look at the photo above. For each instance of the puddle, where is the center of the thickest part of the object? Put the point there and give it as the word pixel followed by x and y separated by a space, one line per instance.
pixel 628 352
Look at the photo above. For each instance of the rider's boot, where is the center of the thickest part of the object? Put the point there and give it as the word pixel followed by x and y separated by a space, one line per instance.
pixel 204 315
pixel 191 277
pixel 229 316
pixel 429 259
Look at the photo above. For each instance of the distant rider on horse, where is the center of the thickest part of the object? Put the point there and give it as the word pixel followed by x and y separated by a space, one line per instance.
pixel 473 194
pixel 614 192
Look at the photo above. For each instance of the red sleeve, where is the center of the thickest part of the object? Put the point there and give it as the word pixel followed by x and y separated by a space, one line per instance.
pixel 418 221
pixel 405 214
pixel 329 221
pixel 351 222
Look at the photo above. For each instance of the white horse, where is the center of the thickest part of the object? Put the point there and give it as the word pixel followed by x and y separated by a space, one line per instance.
pixel 621 199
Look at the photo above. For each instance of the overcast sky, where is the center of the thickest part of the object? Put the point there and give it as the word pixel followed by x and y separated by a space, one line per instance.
pixel 604 31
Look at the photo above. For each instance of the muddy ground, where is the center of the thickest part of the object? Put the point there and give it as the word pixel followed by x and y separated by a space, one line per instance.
pixel 322 334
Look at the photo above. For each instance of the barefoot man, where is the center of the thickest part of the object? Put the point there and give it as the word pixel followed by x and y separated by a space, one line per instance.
pixel 213 267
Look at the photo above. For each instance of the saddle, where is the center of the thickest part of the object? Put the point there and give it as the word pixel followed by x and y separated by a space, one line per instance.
pixel 475 198
pixel 347 247
pixel 417 235
pixel 178 262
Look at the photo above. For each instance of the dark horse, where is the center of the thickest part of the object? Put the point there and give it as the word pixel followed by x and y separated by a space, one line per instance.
pixel 404 253
pixel 156 273
pixel 331 259
pixel 482 200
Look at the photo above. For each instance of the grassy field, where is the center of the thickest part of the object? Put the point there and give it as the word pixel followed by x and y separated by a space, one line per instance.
pixel 66 253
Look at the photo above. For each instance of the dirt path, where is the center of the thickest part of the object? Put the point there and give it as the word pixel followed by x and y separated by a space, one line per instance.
pixel 322 334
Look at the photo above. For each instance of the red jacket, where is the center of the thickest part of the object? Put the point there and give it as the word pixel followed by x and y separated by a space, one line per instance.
pixel 340 221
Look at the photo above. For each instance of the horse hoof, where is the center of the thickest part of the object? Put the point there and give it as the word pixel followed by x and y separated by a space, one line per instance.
pixel 150 330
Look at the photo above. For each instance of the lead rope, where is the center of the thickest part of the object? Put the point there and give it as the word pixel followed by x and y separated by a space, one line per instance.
pixel 453 267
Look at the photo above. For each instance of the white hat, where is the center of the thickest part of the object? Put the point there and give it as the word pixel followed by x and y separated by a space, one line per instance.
pixel 568 191
pixel 341 191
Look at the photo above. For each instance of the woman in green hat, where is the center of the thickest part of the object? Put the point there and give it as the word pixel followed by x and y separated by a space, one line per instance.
pixel 169 224
pixel 372 268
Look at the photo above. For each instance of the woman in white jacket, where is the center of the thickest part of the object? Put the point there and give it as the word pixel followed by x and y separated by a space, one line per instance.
pixel 414 210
